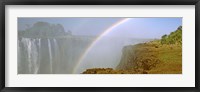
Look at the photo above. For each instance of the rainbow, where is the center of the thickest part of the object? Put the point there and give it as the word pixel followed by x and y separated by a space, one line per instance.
pixel 109 29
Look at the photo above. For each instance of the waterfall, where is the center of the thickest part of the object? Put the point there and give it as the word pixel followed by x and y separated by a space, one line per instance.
pixel 50 56
pixel 31 52
pixel 31 49
pixel 38 63
pixel 56 58
pixel 18 57
pixel 60 55
pixel 34 55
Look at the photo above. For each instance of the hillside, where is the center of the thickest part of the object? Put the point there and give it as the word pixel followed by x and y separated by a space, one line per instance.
pixel 152 58
pixel 162 56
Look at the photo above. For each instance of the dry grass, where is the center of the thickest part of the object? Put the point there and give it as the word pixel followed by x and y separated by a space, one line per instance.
pixel 146 58
pixel 154 58
pixel 171 60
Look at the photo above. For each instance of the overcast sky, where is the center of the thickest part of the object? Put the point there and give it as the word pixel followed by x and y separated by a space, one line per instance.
pixel 135 27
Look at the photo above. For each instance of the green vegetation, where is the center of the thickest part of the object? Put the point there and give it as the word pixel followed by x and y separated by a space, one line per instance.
pixel 156 57
pixel 173 37
pixel 44 29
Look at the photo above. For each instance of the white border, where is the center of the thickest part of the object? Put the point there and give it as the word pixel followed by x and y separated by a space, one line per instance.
pixel 187 79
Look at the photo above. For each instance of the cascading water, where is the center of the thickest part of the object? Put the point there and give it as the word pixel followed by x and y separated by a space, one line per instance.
pixel 50 56
pixel 28 50
pixel 60 55
pixel 38 63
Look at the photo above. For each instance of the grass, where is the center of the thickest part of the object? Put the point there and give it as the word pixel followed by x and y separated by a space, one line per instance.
pixel 162 56
pixel 146 58
pixel 171 60
pixel 153 58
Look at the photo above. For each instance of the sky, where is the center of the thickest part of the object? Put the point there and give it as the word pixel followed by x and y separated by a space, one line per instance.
pixel 134 27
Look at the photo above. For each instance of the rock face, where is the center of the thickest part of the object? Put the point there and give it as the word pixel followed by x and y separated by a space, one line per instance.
pixel 106 71
pixel 98 71
pixel 155 57
pixel 127 59
pixel 135 59
pixel 146 58
pixel 139 58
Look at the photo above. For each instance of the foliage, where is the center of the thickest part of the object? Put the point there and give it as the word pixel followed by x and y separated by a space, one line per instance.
pixel 155 57
pixel 173 38
pixel 44 29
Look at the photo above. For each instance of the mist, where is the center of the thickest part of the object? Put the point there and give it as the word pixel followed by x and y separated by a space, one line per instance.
pixel 50 48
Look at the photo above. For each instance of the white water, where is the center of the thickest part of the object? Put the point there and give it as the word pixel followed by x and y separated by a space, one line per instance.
pixel 50 55
pixel 32 54
pixel 38 63
pixel 61 55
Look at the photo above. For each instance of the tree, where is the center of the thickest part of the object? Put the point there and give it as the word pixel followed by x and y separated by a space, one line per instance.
pixel 163 40
pixel 173 38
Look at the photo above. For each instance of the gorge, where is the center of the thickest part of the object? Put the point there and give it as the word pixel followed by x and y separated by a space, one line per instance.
pixel 48 49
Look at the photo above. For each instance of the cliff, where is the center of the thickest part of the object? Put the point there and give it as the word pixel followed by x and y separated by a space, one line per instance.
pixel 107 71
pixel 152 58
pixel 146 58
pixel 162 56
